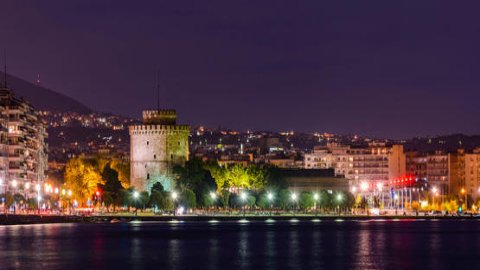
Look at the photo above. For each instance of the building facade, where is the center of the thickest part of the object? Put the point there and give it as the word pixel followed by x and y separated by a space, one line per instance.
pixel 156 147
pixel 472 173
pixel 374 163
pixel 23 150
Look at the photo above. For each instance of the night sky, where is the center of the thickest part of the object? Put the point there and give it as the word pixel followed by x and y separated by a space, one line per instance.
pixel 380 68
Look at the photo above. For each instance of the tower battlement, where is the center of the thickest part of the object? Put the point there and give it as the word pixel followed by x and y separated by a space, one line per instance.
pixel 156 146
pixel 159 117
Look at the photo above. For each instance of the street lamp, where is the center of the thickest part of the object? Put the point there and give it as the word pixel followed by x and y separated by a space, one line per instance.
pixel 135 197
pixel 316 197
pixel 270 200
pixel 364 186
pixel 213 196
pixel 174 199
pixel 294 200
pixel 339 199
pixel 466 199
pixel 26 190
pixel 14 185
pixel 243 196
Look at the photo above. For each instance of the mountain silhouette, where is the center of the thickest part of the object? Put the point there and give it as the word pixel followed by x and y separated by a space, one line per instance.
pixel 42 98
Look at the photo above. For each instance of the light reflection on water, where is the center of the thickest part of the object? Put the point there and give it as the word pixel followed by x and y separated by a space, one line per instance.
pixel 248 245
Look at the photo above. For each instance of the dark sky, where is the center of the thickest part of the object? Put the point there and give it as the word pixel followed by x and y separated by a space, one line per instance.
pixel 381 68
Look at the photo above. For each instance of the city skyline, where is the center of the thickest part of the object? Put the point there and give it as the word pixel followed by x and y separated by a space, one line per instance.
pixel 384 70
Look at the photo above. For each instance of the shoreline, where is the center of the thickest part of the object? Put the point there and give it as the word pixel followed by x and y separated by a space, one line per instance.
pixel 50 219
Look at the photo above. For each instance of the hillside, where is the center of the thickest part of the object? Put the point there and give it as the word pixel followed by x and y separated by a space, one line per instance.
pixel 42 98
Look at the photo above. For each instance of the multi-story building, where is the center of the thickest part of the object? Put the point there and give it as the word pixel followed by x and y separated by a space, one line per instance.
pixel 156 147
pixel 416 164
pixel 23 150
pixel 456 172
pixel 437 171
pixel 375 162
pixel 472 173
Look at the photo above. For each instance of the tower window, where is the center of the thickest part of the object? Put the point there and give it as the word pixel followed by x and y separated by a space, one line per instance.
pixel 148 142
pixel 148 176
pixel 171 156
pixel 154 156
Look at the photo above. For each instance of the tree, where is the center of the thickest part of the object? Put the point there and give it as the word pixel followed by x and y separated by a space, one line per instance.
pixel 82 177
pixel 327 200
pixel 112 185
pixel 263 201
pixel 159 199
pixel 108 200
pixel 283 199
pixel 225 198
pixel 123 169
pixel 157 187
pixel 251 199
pixel 125 198
pixel 196 177
pixel 306 200
pixel 143 199
pixel 257 177
pixel 188 199
pixel 236 177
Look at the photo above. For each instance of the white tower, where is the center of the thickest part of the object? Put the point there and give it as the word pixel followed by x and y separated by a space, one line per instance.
pixel 155 147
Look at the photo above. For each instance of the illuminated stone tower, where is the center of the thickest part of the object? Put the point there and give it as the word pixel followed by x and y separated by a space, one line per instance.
pixel 155 147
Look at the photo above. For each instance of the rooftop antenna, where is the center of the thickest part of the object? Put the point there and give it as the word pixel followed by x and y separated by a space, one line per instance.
pixel 5 67
pixel 158 90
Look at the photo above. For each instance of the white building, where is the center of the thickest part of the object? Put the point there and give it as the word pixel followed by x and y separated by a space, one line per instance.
pixel 23 150
pixel 155 147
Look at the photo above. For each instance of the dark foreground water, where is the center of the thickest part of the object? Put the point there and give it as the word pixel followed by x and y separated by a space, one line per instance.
pixel 415 244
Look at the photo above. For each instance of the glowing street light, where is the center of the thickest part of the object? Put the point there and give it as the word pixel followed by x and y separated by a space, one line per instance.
pixel 270 200
pixel 463 191
pixel 269 196
pixel 174 198
pixel 339 199
pixel 14 183
pixel 243 197
pixel 364 186
pixel 294 198
pixel 27 185
pixel 135 197
pixel 213 196
pixel 380 187
pixel 316 197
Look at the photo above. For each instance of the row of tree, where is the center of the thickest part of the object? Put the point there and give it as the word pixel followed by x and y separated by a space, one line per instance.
pixel 198 184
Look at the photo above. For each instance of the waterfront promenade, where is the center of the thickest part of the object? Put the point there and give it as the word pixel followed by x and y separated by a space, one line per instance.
pixel 46 219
